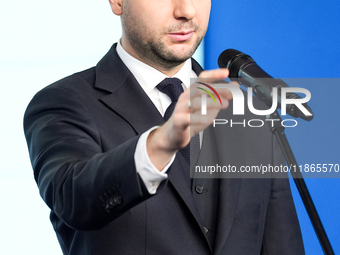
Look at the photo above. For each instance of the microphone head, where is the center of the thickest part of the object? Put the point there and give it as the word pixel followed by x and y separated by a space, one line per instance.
pixel 226 56
pixel 233 60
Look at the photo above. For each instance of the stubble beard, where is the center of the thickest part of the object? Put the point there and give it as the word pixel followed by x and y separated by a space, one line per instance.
pixel 154 51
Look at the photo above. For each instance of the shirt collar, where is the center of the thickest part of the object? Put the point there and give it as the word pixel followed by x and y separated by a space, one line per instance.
pixel 149 77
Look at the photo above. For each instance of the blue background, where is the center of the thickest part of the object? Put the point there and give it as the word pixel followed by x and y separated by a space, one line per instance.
pixel 290 39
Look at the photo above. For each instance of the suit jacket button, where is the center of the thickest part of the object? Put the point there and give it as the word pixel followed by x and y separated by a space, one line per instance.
pixel 199 189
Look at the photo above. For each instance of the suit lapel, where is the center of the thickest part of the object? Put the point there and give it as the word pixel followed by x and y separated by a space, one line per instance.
pixel 129 100
pixel 133 105
pixel 126 97
pixel 196 67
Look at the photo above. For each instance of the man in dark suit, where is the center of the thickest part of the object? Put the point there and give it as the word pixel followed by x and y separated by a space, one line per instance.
pixel 112 167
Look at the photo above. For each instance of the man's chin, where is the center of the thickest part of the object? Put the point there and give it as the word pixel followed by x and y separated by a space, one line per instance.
pixel 181 52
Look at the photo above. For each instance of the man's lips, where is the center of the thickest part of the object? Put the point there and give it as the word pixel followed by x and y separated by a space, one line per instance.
pixel 181 36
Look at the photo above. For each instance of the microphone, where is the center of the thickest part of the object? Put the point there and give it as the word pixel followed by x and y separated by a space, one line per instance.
pixel 244 70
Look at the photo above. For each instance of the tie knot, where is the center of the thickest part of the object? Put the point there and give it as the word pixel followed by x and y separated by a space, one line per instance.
pixel 172 87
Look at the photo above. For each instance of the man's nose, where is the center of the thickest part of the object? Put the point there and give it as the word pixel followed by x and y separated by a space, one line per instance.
pixel 184 9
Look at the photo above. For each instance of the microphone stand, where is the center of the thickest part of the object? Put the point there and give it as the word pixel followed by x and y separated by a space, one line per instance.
pixel 278 130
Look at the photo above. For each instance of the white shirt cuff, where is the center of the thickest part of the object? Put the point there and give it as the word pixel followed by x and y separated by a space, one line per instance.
pixel 150 175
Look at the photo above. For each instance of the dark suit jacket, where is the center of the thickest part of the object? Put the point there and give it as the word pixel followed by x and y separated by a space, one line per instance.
pixel 82 133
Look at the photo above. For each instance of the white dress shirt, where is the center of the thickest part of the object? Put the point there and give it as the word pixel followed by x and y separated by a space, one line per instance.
pixel 148 78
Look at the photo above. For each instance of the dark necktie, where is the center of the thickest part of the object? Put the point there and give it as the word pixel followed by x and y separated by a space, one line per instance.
pixel 173 88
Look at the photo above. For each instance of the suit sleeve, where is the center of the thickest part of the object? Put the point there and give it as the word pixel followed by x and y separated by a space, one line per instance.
pixel 84 186
pixel 282 233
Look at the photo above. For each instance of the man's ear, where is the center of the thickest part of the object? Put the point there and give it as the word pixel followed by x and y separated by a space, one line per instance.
pixel 117 6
